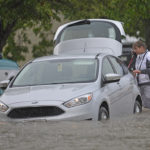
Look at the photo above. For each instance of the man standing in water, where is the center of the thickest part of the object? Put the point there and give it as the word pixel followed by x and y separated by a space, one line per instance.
pixel 142 71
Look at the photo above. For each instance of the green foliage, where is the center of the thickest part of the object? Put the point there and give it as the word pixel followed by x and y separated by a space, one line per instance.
pixel 25 14
pixel 14 52
pixel 38 15
pixel 41 49
pixel 135 14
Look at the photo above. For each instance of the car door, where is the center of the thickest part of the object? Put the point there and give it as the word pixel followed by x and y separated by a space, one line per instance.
pixel 111 90
pixel 124 104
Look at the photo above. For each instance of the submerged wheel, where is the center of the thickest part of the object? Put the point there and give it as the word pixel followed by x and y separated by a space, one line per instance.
pixel 103 114
pixel 137 107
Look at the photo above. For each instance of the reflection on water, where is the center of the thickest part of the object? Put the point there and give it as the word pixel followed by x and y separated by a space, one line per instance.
pixel 129 133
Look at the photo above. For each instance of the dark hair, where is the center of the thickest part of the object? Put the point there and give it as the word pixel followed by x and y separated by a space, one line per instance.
pixel 139 44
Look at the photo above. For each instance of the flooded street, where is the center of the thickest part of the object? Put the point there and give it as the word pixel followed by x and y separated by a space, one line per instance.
pixel 129 133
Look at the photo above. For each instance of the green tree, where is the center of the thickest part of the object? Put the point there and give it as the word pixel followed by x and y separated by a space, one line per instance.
pixel 135 14
pixel 38 15
pixel 25 14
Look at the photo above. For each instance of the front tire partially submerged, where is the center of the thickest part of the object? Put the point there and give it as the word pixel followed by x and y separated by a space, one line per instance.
pixel 103 114
pixel 137 107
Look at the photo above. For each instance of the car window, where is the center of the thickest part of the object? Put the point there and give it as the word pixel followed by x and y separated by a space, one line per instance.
pixel 58 72
pixel 117 65
pixel 106 67
pixel 94 29
pixel 125 68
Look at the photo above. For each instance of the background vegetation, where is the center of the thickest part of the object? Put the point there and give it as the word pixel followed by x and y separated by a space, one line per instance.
pixel 38 15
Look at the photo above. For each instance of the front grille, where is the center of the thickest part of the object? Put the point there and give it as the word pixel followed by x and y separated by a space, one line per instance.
pixel 31 112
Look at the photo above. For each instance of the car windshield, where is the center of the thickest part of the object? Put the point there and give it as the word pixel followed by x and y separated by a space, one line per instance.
pixel 87 30
pixel 57 72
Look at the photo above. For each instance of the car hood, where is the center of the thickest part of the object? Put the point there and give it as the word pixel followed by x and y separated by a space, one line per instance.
pixel 63 92
pixel 89 45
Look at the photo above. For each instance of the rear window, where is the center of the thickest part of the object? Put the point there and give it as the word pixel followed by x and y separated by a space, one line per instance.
pixel 89 29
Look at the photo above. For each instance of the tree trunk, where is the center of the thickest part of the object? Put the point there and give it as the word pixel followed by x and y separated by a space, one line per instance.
pixel 2 42
pixel 4 34
pixel 1 47
pixel 1 37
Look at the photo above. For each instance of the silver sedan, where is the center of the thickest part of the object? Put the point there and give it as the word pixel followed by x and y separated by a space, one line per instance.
pixel 79 87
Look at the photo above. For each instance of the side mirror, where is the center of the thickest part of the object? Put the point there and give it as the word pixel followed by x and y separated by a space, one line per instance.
pixel 111 77
pixel 4 84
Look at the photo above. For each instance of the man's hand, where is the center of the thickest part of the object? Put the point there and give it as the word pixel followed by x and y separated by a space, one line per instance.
pixel 136 72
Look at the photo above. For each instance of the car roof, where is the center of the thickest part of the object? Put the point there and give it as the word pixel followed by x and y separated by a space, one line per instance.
pixel 8 64
pixel 74 56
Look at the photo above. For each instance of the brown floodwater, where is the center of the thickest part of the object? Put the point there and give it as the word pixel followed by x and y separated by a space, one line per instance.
pixel 128 133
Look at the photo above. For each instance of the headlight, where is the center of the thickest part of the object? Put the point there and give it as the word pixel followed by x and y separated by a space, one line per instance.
pixel 3 107
pixel 79 100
